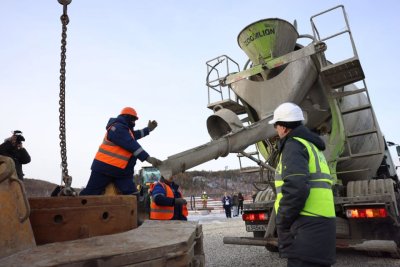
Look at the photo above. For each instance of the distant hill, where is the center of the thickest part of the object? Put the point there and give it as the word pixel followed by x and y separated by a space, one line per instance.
pixel 191 182
pixel 215 183
pixel 38 188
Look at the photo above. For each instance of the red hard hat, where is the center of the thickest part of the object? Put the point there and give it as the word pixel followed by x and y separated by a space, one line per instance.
pixel 129 111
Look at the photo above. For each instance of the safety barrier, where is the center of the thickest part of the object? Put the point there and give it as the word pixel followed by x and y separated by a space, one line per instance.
pixel 214 205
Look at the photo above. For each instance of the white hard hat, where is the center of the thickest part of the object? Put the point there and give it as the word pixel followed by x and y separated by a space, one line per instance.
pixel 204 192
pixel 287 112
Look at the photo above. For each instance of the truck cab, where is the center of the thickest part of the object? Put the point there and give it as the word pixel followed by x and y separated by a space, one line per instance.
pixel 149 175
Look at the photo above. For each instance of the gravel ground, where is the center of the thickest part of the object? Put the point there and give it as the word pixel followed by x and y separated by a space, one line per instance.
pixel 215 227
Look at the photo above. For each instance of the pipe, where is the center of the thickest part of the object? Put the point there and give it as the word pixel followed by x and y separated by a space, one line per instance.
pixel 229 143
pixel 250 241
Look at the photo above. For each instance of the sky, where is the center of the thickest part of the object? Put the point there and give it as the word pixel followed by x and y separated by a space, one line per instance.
pixel 152 55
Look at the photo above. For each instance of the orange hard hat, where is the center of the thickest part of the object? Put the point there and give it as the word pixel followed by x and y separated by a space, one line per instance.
pixel 129 111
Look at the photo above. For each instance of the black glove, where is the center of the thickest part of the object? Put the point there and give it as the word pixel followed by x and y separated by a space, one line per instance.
pixel 152 125
pixel 153 161
pixel 285 238
pixel 180 201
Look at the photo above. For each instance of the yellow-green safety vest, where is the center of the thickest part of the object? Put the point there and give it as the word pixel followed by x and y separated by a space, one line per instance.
pixel 320 200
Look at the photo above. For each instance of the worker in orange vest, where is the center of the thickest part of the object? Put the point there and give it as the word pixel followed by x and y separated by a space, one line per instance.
pixel 167 202
pixel 117 155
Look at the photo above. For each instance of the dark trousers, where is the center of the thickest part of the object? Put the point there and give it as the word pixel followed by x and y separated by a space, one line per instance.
pixel 240 207
pixel 98 182
pixel 299 263
pixel 228 211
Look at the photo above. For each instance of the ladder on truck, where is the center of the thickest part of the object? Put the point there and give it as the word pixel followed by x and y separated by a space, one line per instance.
pixel 217 70
pixel 227 98
pixel 340 74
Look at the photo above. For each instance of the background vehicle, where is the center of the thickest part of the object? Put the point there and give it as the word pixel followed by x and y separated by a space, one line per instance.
pixel 147 175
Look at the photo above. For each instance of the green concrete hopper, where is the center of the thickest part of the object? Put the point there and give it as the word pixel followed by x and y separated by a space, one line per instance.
pixel 267 39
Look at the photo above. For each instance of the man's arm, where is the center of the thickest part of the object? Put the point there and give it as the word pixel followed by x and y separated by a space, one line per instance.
pixel 295 189
pixel 159 196
pixel 23 156
pixel 19 154
pixel 119 135
pixel 141 133
pixel 146 131
pixel 6 149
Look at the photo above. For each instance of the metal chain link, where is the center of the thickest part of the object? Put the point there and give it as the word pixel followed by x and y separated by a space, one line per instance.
pixel 63 143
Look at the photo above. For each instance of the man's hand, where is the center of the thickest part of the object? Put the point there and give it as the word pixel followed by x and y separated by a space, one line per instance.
pixel 154 161
pixel 152 125
pixel 180 201
pixel 285 238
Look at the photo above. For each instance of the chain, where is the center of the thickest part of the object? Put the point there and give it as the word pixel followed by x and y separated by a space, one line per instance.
pixel 63 144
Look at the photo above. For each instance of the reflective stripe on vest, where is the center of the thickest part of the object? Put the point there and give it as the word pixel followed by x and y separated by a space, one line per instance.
pixel 320 200
pixel 161 212
pixel 113 154
pixel 164 212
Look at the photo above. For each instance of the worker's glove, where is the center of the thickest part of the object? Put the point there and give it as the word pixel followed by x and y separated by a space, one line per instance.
pixel 153 161
pixel 152 125
pixel 180 201
pixel 285 238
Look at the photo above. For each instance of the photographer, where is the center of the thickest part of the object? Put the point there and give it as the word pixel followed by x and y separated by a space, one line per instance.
pixel 12 147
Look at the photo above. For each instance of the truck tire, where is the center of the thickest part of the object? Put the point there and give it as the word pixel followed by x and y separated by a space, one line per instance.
pixel 371 187
pixel 265 195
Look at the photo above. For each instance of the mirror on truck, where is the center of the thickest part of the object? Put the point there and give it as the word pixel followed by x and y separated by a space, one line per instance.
pixel 398 150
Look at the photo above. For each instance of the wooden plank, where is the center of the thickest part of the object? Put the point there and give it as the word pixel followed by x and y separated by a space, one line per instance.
pixel 57 219
pixel 199 260
pixel 151 241
pixel 80 201
pixel 150 263
pixel 180 259
pixel 198 247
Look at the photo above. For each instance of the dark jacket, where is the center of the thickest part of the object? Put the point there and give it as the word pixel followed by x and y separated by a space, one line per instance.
pixel 241 198
pixel 226 201
pixel 304 237
pixel 158 195
pixel 235 200
pixel 119 135
pixel 19 155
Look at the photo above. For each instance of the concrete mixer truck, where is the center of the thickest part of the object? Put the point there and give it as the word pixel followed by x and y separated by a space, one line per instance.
pixel 336 103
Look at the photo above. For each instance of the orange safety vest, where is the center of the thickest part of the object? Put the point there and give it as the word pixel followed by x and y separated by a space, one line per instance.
pixel 113 154
pixel 164 212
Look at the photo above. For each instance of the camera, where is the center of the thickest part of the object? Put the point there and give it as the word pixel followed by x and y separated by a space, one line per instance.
pixel 20 139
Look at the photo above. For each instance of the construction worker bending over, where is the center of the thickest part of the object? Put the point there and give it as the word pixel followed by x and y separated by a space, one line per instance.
pixel 305 213
pixel 116 158
pixel 167 202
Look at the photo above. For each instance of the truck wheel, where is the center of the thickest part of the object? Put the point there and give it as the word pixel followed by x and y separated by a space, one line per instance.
pixel 265 195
